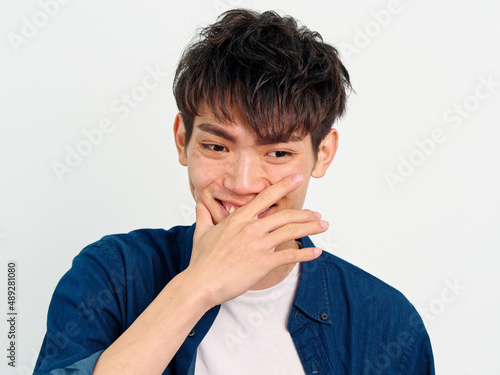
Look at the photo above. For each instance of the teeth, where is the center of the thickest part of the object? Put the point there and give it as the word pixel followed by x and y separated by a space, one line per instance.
pixel 229 207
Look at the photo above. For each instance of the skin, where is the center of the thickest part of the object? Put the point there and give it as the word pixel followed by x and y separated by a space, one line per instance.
pixel 229 166
pixel 251 248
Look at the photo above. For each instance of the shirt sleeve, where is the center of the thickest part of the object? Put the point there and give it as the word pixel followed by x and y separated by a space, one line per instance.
pixel 86 312
pixel 83 366
pixel 418 358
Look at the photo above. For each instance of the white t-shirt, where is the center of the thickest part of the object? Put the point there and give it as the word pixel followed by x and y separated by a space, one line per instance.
pixel 249 335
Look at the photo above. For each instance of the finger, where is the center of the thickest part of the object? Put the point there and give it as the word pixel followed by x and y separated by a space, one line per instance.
pixel 270 195
pixel 203 217
pixel 290 256
pixel 287 216
pixel 293 231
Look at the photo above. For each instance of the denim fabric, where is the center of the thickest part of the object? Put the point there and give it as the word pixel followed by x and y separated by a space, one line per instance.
pixel 343 320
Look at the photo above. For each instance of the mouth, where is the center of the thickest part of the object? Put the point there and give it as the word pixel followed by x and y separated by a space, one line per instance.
pixel 228 208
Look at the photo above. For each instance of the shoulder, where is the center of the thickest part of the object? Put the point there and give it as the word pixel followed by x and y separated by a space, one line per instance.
pixel 141 245
pixel 375 318
pixel 142 238
pixel 143 259
pixel 120 274
pixel 366 284
pixel 363 291
pixel 375 307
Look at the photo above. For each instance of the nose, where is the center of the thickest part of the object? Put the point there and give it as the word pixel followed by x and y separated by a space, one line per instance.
pixel 245 175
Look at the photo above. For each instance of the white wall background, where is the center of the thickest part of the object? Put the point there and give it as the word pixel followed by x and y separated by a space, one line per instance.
pixel 419 69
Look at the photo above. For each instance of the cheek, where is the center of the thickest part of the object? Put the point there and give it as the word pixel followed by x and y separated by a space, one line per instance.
pixel 297 197
pixel 277 173
pixel 202 175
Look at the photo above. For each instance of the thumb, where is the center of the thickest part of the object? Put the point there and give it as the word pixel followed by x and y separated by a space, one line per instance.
pixel 203 217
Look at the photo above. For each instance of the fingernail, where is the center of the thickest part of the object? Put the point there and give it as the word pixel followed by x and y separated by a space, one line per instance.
pixel 317 215
pixel 196 195
pixel 297 178
pixel 317 250
pixel 324 224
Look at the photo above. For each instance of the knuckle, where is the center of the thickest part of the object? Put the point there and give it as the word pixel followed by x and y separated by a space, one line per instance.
pixel 248 229
pixel 291 229
pixel 267 196
pixel 291 256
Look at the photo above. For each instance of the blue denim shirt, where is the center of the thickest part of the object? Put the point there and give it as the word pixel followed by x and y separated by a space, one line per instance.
pixel 343 320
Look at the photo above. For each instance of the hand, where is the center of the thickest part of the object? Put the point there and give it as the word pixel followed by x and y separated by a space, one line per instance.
pixel 232 256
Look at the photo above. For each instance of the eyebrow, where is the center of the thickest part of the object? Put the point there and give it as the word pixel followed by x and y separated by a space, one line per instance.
pixel 215 130
pixel 218 131
pixel 279 139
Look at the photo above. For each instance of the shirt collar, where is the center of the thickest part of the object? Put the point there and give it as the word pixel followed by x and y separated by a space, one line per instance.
pixel 312 295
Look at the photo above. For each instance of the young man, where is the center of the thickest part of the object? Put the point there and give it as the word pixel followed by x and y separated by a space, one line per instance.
pixel 244 291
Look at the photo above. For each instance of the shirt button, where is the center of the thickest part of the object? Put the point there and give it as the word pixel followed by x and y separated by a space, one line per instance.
pixel 191 334
pixel 324 316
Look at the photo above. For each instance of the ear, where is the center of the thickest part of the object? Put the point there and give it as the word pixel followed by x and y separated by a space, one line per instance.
pixel 180 139
pixel 326 153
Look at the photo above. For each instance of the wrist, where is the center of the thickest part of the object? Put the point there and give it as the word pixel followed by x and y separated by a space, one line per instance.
pixel 195 294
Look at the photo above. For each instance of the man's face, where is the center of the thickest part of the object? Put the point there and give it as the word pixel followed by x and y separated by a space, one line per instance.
pixel 228 165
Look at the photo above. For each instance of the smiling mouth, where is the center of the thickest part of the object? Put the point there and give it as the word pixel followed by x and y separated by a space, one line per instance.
pixel 230 208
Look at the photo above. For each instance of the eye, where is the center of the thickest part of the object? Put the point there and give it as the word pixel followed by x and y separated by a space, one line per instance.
pixel 213 147
pixel 279 154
